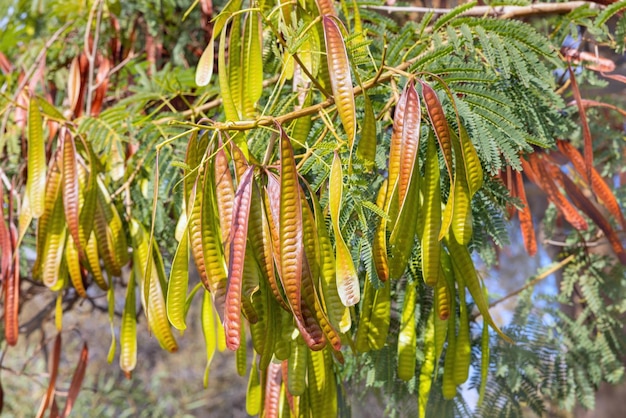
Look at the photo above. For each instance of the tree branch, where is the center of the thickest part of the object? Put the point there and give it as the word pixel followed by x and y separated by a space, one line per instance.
pixel 502 12
pixel 553 269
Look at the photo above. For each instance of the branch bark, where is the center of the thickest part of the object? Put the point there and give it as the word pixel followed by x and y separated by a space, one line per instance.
pixel 502 12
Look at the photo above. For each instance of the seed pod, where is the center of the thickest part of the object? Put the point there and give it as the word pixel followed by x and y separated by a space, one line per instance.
pixel 128 330
pixel 380 317
pixel 210 332
pixel 297 365
pixel 347 279
pixel 428 365
pixel 407 335
pixel 239 231
pixel 70 188
pixel 253 394
pixel 204 70
pixel 340 78
pixel 36 183
pixel 432 217
pixel 178 283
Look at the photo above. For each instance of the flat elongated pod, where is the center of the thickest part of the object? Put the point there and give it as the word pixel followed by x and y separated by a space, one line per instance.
pixel 93 259
pixel 428 366
pixel 152 296
pixel 598 185
pixel 296 367
pixel 128 330
pixel 407 335
pixel 73 266
pixel 347 279
pixel 11 287
pixel 367 144
pixel 212 249
pixel 449 385
pixel 473 168
pixel 178 283
pixel 260 240
pixel 53 190
pixel 54 247
pixel 410 140
pixel 340 78
pixel 70 189
pixel 290 230
pixel 326 7
pixel 525 216
pixel 238 241
pixel 463 344
pixel 402 237
pixel 338 313
pixel 545 180
pixel 225 194
pixel 36 182
pixel 77 381
pixel 6 248
pixel 379 245
pixel 395 148
pixel 363 327
pixel 209 330
pixel 380 317
pixel 462 264
pixel 272 393
pixel 204 70
pixel 461 210
pixel 312 301
pixel 253 57
pixel 440 124
pixel 241 354
pixel 253 393
pixel 227 99
pixel 430 244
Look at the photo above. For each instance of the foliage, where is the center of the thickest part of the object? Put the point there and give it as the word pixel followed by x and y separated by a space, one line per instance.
pixel 332 172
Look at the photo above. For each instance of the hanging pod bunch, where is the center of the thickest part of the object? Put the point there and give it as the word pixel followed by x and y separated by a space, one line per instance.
pixel 78 224
pixel 259 241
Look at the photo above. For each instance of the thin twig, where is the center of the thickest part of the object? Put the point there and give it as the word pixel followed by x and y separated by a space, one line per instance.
pixel 27 77
pixel 553 269
pixel 502 12
pixel 91 55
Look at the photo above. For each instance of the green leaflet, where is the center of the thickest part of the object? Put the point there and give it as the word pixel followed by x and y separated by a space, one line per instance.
pixel 463 265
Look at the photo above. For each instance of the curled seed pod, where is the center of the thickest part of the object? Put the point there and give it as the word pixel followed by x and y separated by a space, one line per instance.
pixel 347 279
pixel 204 70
